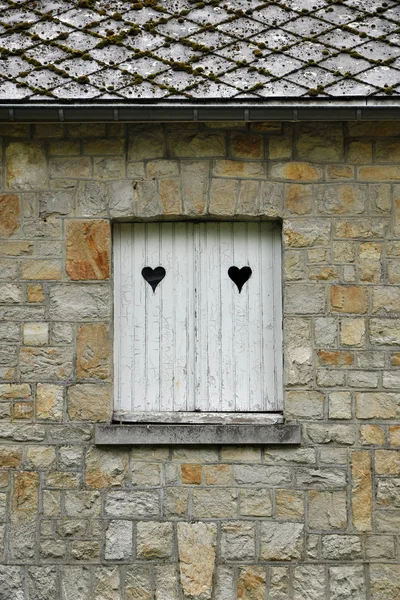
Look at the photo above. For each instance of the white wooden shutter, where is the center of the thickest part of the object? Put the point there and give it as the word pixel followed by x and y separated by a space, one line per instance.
pixel 196 343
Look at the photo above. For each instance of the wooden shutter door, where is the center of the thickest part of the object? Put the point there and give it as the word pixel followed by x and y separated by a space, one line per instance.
pixel 197 342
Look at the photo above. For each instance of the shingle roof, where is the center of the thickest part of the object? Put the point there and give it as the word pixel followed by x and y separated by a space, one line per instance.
pixel 105 50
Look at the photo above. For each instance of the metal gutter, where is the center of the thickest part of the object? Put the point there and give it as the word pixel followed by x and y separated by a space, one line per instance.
pixel 302 109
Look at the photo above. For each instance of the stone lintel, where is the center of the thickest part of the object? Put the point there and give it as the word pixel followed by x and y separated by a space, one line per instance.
pixel 203 434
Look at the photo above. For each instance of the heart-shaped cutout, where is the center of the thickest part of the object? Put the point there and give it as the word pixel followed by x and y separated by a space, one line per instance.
pixel 153 276
pixel 239 276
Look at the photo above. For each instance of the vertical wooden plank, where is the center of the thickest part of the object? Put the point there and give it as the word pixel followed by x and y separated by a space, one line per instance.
pixel 268 358
pixel 190 323
pixel 182 269
pixel 212 326
pixel 117 315
pixel 255 318
pixel 227 315
pixel 125 317
pixel 153 309
pixel 278 334
pixel 138 367
pixel 167 318
pixel 240 318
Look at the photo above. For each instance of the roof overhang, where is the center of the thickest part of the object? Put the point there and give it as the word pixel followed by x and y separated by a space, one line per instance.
pixel 303 109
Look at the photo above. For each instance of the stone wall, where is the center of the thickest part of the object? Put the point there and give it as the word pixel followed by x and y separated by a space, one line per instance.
pixel 317 522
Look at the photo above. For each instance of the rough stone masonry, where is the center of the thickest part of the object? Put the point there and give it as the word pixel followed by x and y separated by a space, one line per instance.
pixel 316 522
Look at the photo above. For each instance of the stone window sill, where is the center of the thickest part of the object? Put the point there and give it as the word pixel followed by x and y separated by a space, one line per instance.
pixel 168 429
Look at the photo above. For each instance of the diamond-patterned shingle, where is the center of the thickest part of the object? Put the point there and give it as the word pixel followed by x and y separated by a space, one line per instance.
pixel 177 49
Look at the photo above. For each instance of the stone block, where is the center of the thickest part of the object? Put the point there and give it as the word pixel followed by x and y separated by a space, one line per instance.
pixel 36 334
pixel 302 233
pixel 349 299
pixel 197 550
pixel 146 142
pixel 175 503
pixel 261 475
pixel 170 196
pixel 223 193
pixel 324 434
pixel 300 299
pixel 327 510
pixel 341 547
pixel 9 215
pixel 304 405
pixel 289 504
pixel 380 546
pixel 12 582
pixel 166 583
pixel 251 583
pixel 361 499
pixel 45 363
pixel 89 402
pixel 240 454
pixel 137 583
pixel 387 462
pixel 82 503
pixel 249 198
pixel 194 144
pixel 75 583
pixel 93 360
pixel 51 503
pixel 352 332
pixel 372 435
pixel 347 583
pixel 25 166
pixel 41 269
pixel 77 301
pixel 106 468
pixel 56 203
pixel 88 249
pixel 132 503
pixel 279 148
pixel 255 503
pixel 35 293
pixel 147 202
pixel 360 228
pixel 237 541
pixel 281 541
pixel 69 167
pixel 154 540
pixel 394 435
pixel 195 176
pixel 238 169
pixel 146 474
pixel 340 405
pixel 388 493
pixel 119 540
pixel 339 199
pixel 42 583
pixel 369 265
pixel 295 171
pixel 215 502
pixel 379 173
pixel 298 353
pixel 49 401
pixel 310 580
pixel 40 457
pixel 245 145
pixel 298 199
pixel 191 474
pixel 320 141
pixel 10 457
pixel 377 405
pixel 91 198
pixel 24 510
pixel 384 581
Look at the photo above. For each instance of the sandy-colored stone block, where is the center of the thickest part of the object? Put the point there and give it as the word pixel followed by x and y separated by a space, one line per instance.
pixel 295 171
pixel 195 177
pixel 349 299
pixel 251 583
pixel 89 402
pixel 196 548
pixel 377 405
pixel 320 141
pixel 223 194
pixel 93 358
pixel 36 334
pixel 26 166
pixel 41 269
pixel 372 435
pixel 9 214
pixel 170 196
pixel 154 540
pixel 387 462
pixel 191 473
pixel 245 145
pixel 106 468
pixel 88 249
pixel 49 401
pixel 289 504
pixel 10 457
pixel 352 332
pixel 298 199
pixel 35 293
pixel 369 265
pixel 361 498
pixel 195 144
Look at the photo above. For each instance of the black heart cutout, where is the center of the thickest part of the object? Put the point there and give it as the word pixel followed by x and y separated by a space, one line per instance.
pixel 153 276
pixel 239 276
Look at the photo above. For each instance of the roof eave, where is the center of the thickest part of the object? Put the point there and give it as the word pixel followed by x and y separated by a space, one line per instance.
pixel 271 109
